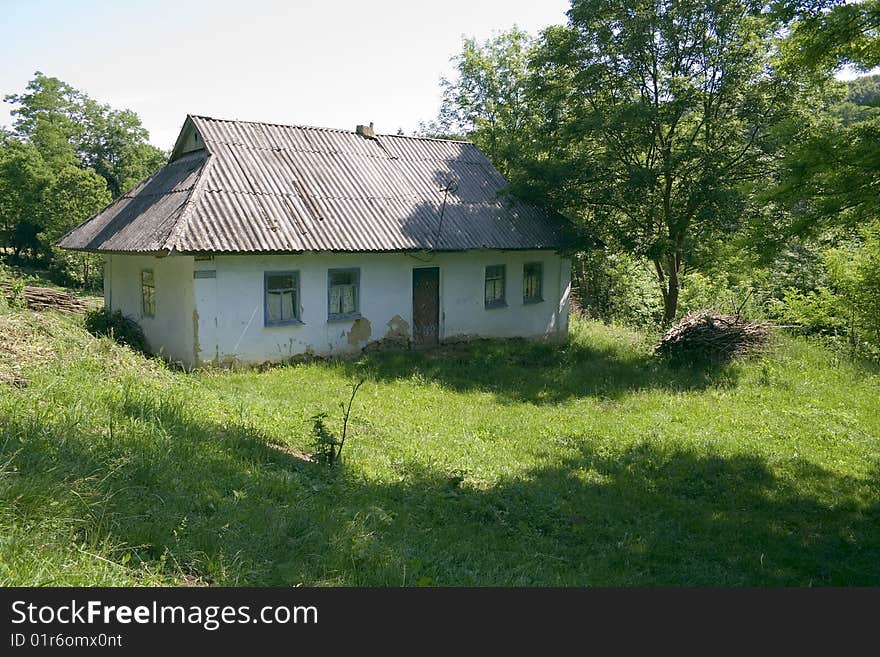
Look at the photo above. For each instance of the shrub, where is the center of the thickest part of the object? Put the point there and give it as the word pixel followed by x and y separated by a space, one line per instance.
pixel 12 291
pixel 849 305
pixel 119 327
pixel 818 311
pixel 615 287
pixel 743 298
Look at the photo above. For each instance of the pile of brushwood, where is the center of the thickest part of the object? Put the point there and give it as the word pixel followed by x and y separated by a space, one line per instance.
pixel 709 336
pixel 43 298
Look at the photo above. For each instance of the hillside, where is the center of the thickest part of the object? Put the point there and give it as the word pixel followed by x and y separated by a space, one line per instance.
pixel 494 463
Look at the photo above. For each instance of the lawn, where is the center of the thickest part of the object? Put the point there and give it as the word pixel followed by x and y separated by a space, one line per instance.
pixel 491 463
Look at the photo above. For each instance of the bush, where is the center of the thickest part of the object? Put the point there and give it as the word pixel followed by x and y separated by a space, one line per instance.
pixel 615 287
pixel 743 298
pixel 818 311
pixel 11 289
pixel 119 327
pixel 849 305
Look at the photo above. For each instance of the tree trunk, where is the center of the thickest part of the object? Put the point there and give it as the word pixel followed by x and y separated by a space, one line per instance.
pixel 670 299
pixel 670 284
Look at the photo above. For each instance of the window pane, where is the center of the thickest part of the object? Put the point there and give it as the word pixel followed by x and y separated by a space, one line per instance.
pixel 532 281
pixel 343 293
pixel 148 293
pixel 494 284
pixel 342 278
pixel 287 306
pixel 281 297
pixel 347 304
pixel 273 307
pixel 280 282
pixel 335 301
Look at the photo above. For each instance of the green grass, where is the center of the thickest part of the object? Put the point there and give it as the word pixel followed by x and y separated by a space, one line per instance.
pixel 492 463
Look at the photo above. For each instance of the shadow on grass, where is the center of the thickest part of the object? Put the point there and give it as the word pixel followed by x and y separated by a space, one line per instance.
pixel 218 504
pixel 519 370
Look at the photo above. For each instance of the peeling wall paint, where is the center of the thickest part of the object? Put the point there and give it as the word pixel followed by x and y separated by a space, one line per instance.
pixel 398 328
pixel 360 332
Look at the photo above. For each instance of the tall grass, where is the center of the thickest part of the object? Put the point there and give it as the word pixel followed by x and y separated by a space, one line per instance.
pixel 496 462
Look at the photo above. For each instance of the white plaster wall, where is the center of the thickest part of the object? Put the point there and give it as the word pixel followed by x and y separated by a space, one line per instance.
pixel 170 332
pixel 230 306
pixel 462 308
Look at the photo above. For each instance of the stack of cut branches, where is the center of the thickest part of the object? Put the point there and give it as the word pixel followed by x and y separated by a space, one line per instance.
pixel 44 298
pixel 706 335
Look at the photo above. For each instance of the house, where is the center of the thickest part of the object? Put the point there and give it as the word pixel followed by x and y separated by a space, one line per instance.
pixel 257 242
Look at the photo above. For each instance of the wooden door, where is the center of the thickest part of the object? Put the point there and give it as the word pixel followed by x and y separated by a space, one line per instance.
pixel 426 306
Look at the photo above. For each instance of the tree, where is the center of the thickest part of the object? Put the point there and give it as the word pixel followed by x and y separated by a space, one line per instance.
pixel 488 101
pixel 73 196
pixel 69 127
pixel 48 116
pixel 24 177
pixel 830 168
pixel 657 116
pixel 826 35
pixel 830 171
pixel 65 159
pixel 115 145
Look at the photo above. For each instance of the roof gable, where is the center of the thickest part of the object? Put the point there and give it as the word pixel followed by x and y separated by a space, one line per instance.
pixel 242 187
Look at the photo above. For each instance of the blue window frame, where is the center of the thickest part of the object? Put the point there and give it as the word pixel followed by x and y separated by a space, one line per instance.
pixel 343 294
pixel 281 298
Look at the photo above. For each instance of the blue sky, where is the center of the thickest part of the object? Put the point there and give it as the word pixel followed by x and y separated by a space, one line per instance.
pixel 330 63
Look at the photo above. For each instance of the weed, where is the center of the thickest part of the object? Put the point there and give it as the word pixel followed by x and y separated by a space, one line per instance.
pixel 328 447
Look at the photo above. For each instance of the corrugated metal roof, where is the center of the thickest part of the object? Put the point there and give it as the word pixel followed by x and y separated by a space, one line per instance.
pixel 274 188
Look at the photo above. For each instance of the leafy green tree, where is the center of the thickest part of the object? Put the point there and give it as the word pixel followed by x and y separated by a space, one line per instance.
pixel 73 196
pixel 69 127
pixel 855 273
pixel 488 102
pixel 864 91
pixel 24 177
pixel 115 145
pixel 826 35
pixel 830 170
pixel 65 159
pixel 48 116
pixel 656 117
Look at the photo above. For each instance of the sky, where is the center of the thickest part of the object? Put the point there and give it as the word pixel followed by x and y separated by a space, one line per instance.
pixel 330 63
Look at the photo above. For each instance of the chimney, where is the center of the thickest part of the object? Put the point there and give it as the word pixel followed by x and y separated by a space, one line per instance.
pixel 366 131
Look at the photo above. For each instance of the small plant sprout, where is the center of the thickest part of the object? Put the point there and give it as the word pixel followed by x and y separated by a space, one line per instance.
pixel 328 447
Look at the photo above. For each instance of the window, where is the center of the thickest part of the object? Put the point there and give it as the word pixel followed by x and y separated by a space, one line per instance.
pixel 148 293
pixel 533 282
pixel 281 297
pixel 495 286
pixel 343 293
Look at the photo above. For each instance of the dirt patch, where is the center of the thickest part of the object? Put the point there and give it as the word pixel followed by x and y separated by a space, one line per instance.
pixel 293 453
